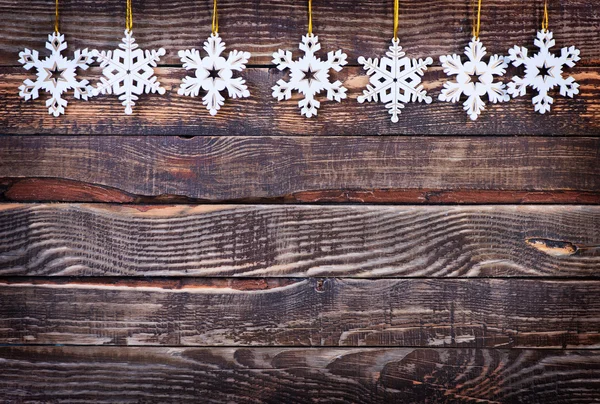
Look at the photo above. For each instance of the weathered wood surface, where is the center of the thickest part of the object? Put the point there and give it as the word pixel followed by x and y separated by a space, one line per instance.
pixel 292 241
pixel 360 28
pixel 307 169
pixel 261 114
pixel 287 375
pixel 294 312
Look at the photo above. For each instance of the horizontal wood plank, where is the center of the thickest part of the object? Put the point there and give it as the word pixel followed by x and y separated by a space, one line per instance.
pixel 301 169
pixel 261 114
pixel 292 241
pixel 360 28
pixel 276 375
pixel 301 312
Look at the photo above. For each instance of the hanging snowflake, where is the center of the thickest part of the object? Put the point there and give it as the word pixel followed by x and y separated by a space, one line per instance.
pixel 214 73
pixel 474 79
pixel 395 79
pixel 55 74
pixel 128 72
pixel 543 71
pixel 309 75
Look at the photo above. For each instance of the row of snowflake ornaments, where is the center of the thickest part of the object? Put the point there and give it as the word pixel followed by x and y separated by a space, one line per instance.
pixel 394 80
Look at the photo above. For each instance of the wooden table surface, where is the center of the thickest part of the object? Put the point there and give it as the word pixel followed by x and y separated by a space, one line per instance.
pixel 262 257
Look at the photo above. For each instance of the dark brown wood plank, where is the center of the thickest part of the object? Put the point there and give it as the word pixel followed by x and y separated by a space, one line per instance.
pixel 404 169
pixel 286 375
pixel 294 312
pixel 292 241
pixel 261 114
pixel 360 28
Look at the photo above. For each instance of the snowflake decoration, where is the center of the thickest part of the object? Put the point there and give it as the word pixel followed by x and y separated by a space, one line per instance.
pixel 395 79
pixel 214 73
pixel 474 78
pixel 543 71
pixel 128 72
pixel 309 75
pixel 55 74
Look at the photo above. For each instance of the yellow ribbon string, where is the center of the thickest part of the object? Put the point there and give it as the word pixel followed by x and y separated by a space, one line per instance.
pixel 545 21
pixel 215 20
pixel 396 12
pixel 129 17
pixel 477 22
pixel 309 17
pixel 56 18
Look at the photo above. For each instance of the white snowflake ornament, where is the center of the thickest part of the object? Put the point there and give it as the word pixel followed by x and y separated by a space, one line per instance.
pixel 214 73
pixel 474 78
pixel 309 75
pixel 55 74
pixel 395 79
pixel 543 71
pixel 128 71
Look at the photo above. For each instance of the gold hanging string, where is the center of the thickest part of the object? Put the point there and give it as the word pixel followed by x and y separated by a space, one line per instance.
pixel 129 17
pixel 215 20
pixel 477 21
pixel 309 17
pixel 56 17
pixel 396 12
pixel 545 21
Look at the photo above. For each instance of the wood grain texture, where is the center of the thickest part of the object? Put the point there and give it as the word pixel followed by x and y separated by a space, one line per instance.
pixel 261 114
pixel 418 169
pixel 301 312
pixel 292 241
pixel 359 27
pixel 286 375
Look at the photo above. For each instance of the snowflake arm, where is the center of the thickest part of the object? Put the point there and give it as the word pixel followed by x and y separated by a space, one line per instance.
pixel 214 46
pixel 569 56
pixel 309 106
pixel 237 60
pixel 452 64
pixel 518 55
pixel 517 87
pixel 282 90
pixel 451 92
pixel 336 60
pixel 497 65
pixel 213 101
pixel 542 102
pixel 568 87
pixel 283 59
pixel 336 91
pixel 474 105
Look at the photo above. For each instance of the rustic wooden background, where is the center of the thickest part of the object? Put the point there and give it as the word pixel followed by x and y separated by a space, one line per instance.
pixel 258 256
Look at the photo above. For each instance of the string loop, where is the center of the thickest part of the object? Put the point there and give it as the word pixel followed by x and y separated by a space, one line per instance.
pixel 477 22
pixel 309 17
pixel 396 12
pixel 129 17
pixel 545 20
pixel 56 17
pixel 215 19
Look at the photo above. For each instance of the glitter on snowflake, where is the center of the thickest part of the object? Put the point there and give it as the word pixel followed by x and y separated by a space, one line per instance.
pixel 543 71
pixel 214 73
pixel 474 78
pixel 309 75
pixel 395 79
pixel 128 72
pixel 55 74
